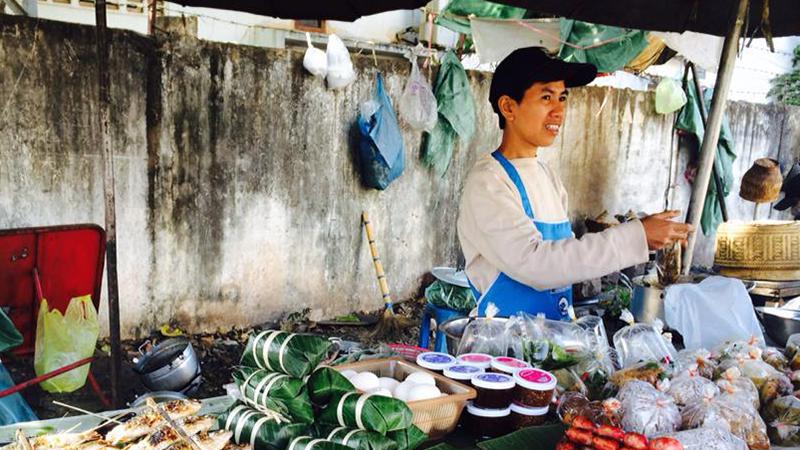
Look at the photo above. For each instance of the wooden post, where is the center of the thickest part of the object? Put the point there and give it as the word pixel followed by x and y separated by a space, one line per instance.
pixel 104 91
pixel 711 137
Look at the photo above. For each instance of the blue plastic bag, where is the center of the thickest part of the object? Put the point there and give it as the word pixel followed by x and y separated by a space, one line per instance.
pixel 13 408
pixel 380 148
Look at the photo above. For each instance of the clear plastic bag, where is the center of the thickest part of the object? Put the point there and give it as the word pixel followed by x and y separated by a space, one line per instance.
pixel 596 329
pixel 651 372
pixel 746 349
pixel 709 438
pixel 690 387
pixel 770 383
pixel 775 358
pixel 640 342
pixel 340 67
pixel 721 412
pixel 549 344
pixel 596 372
pixel 734 386
pixel 701 358
pixel 418 105
pixel 574 404
pixel 485 335
pixel 315 60
pixel 648 411
pixel 792 351
pixel 783 420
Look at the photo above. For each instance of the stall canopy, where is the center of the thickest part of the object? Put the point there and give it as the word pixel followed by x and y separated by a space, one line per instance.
pixel 346 10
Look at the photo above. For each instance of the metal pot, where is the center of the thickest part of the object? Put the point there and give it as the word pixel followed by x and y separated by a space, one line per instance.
pixel 779 323
pixel 171 365
pixel 647 303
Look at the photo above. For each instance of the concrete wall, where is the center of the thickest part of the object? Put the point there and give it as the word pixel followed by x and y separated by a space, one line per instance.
pixel 237 194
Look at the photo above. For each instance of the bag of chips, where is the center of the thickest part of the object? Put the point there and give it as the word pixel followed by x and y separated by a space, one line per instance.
pixel 290 353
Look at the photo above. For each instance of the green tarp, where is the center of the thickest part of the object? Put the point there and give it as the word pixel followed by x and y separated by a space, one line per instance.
pixel 456 108
pixel 621 45
pixel 455 15
pixel 690 121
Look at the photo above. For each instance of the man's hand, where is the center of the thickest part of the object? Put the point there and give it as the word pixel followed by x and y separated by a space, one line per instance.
pixel 662 231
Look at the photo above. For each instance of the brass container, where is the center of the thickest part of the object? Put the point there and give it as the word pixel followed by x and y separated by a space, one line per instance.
pixel 762 250
pixel 762 182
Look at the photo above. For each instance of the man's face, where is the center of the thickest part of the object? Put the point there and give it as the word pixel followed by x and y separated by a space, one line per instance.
pixel 537 119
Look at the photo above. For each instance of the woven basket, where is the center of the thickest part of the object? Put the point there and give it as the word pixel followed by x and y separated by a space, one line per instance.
pixel 762 250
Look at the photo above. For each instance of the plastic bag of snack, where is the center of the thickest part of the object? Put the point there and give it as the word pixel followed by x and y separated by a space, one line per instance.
pixel 640 342
pixel 549 344
pixel 690 387
pixel 699 357
pixel 783 419
pixel 739 389
pixel 794 377
pixel 775 358
pixel 792 351
pixel 750 348
pixel 596 372
pixel 569 381
pixel 651 372
pixel 742 420
pixel 485 335
pixel 570 406
pixel 648 411
pixel 709 438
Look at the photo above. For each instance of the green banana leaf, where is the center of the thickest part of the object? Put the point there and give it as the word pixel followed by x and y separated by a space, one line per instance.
pixel 249 426
pixel 274 391
pixel 543 437
pixel 327 382
pixel 367 412
pixel 311 443
pixel 356 439
pixel 408 439
pixel 278 351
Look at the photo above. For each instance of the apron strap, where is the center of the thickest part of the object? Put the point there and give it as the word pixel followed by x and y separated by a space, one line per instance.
pixel 514 175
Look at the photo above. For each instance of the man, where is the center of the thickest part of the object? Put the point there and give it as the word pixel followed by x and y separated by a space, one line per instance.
pixel 516 237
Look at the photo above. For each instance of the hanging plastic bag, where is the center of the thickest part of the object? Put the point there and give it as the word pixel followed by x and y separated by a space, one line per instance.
pixel 340 67
pixel 639 342
pixel 446 295
pixel 64 339
pixel 485 335
pixel 315 60
pixel 689 308
pixel 418 105
pixel 669 96
pixel 380 148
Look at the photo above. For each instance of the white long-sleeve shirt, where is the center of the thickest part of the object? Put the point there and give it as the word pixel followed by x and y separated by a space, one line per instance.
pixel 496 235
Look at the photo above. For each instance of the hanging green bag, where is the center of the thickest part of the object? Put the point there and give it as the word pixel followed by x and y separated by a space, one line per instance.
pixel 669 96
pixel 64 339
pixel 327 382
pixel 274 391
pixel 250 426
pixel 408 439
pixel 367 412
pixel 290 353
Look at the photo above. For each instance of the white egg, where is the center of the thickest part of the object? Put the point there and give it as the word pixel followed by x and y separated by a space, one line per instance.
pixel 388 383
pixel 380 391
pixel 365 381
pixel 348 373
pixel 423 392
pixel 421 378
pixel 402 389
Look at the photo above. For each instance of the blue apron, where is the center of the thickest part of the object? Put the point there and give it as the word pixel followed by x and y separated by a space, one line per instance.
pixel 511 296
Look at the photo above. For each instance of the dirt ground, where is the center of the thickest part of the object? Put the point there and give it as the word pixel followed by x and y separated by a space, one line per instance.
pixel 219 353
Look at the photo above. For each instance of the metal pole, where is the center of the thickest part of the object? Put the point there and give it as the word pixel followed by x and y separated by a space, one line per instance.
pixel 104 91
pixel 711 137
pixel 714 169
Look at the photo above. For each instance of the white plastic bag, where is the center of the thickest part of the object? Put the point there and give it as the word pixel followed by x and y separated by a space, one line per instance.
pixel 640 342
pixel 485 335
pixel 723 302
pixel 669 96
pixel 418 105
pixel 340 67
pixel 315 60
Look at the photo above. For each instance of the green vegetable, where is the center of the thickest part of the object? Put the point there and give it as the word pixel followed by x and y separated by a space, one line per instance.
pixel 547 355
pixel 352 317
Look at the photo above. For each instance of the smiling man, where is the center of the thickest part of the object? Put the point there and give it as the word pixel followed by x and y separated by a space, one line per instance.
pixel 516 237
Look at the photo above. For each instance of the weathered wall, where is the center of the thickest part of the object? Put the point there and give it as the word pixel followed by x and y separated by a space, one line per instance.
pixel 237 194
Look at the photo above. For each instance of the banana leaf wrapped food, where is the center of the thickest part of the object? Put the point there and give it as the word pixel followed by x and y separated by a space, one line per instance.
pixel 356 439
pixel 294 354
pixel 262 432
pixel 312 443
pixel 409 438
pixel 367 412
pixel 327 382
pixel 274 391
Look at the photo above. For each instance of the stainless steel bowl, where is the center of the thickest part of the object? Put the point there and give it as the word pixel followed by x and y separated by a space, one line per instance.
pixel 453 330
pixel 779 323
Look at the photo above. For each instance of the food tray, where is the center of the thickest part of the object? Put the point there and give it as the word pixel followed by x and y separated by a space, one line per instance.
pixel 437 417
